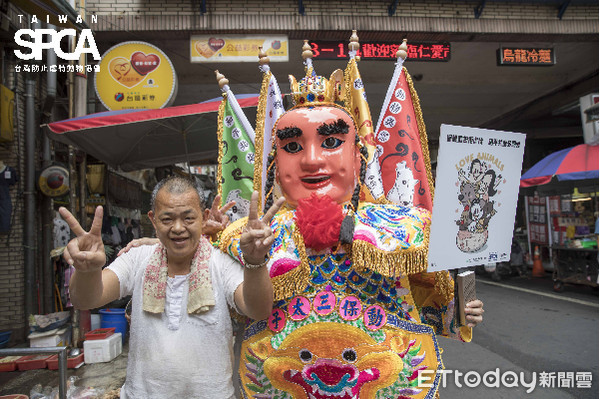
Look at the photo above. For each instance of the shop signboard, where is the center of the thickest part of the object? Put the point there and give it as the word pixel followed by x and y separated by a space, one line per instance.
pixel 135 75
pixel 237 48
pixel 53 181
pixel 523 56
pixel 475 202
pixel 417 51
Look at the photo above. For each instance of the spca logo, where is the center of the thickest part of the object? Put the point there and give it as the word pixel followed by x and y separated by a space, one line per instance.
pixel 35 40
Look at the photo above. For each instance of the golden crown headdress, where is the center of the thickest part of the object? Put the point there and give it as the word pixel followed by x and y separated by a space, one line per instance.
pixel 313 89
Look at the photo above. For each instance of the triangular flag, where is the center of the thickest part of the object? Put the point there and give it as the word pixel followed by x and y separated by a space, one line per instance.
pixel 402 142
pixel 355 99
pixel 236 156
pixel 270 108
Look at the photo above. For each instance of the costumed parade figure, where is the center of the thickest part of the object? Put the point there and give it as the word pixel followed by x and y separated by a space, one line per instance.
pixel 355 313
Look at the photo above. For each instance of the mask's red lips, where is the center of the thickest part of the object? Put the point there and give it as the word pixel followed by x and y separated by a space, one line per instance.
pixel 315 180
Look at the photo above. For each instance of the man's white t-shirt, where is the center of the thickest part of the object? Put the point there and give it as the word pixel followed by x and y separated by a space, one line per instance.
pixel 175 354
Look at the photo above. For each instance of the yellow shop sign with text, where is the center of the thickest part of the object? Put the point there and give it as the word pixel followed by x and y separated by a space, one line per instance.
pixel 135 75
pixel 237 48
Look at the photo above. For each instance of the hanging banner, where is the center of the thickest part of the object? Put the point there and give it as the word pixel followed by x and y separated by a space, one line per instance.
pixel 475 202
pixel 237 48
pixel 135 75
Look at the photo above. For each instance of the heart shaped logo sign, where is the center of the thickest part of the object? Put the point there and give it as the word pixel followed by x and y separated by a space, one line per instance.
pixel 204 49
pixel 144 64
pixel 216 44
pixel 121 71
pixel 136 75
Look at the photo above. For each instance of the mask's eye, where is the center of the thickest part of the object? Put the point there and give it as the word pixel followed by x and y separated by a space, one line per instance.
pixel 349 355
pixel 292 147
pixel 331 142
pixel 305 355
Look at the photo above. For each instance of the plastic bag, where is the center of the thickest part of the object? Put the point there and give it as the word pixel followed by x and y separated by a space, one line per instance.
pixel 50 321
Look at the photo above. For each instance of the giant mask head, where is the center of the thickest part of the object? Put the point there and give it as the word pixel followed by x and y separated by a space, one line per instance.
pixel 317 153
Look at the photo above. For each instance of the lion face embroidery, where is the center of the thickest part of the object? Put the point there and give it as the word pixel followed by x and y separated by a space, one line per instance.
pixel 332 360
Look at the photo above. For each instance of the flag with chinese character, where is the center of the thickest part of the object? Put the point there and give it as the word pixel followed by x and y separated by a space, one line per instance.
pixel 355 99
pixel 402 145
pixel 236 157
pixel 270 108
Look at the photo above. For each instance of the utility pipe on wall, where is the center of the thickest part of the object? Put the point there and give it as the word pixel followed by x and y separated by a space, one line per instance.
pixel 29 197
pixel 47 275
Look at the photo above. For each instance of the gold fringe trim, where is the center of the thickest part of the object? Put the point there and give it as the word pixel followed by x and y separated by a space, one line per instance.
pixel 444 285
pixel 348 86
pixel 260 139
pixel 220 141
pixel 422 129
pixel 295 281
pixel 231 232
pixel 390 264
pixel 238 317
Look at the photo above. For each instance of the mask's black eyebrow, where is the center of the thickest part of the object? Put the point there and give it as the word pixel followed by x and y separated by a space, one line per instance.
pixel 288 133
pixel 338 127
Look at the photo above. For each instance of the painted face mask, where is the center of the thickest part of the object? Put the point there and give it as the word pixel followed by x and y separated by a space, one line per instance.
pixel 316 153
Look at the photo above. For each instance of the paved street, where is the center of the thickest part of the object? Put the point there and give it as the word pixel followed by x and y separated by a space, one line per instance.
pixel 529 332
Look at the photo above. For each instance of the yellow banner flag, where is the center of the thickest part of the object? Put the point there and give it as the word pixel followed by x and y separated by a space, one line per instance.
pixel 355 100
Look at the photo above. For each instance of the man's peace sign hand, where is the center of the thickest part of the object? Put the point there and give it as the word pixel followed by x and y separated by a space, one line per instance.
pixel 86 250
pixel 215 218
pixel 257 236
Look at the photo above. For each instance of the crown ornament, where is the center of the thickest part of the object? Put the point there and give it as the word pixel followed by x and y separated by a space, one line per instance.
pixel 312 89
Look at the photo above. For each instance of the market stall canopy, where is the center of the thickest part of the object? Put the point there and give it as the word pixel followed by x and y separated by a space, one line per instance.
pixel 562 171
pixel 139 139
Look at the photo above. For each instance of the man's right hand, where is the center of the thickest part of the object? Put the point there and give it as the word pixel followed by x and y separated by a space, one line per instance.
pixel 215 218
pixel 86 251
pixel 138 242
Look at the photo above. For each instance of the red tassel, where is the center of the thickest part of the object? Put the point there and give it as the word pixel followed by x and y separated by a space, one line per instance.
pixel 319 219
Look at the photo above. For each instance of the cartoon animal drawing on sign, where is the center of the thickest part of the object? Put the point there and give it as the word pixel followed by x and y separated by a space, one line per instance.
pixel 474 196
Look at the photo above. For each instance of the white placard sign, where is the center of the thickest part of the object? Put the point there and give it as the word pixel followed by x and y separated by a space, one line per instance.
pixel 475 202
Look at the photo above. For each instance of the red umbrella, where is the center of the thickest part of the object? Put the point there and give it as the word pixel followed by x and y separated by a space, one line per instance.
pixel 565 169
